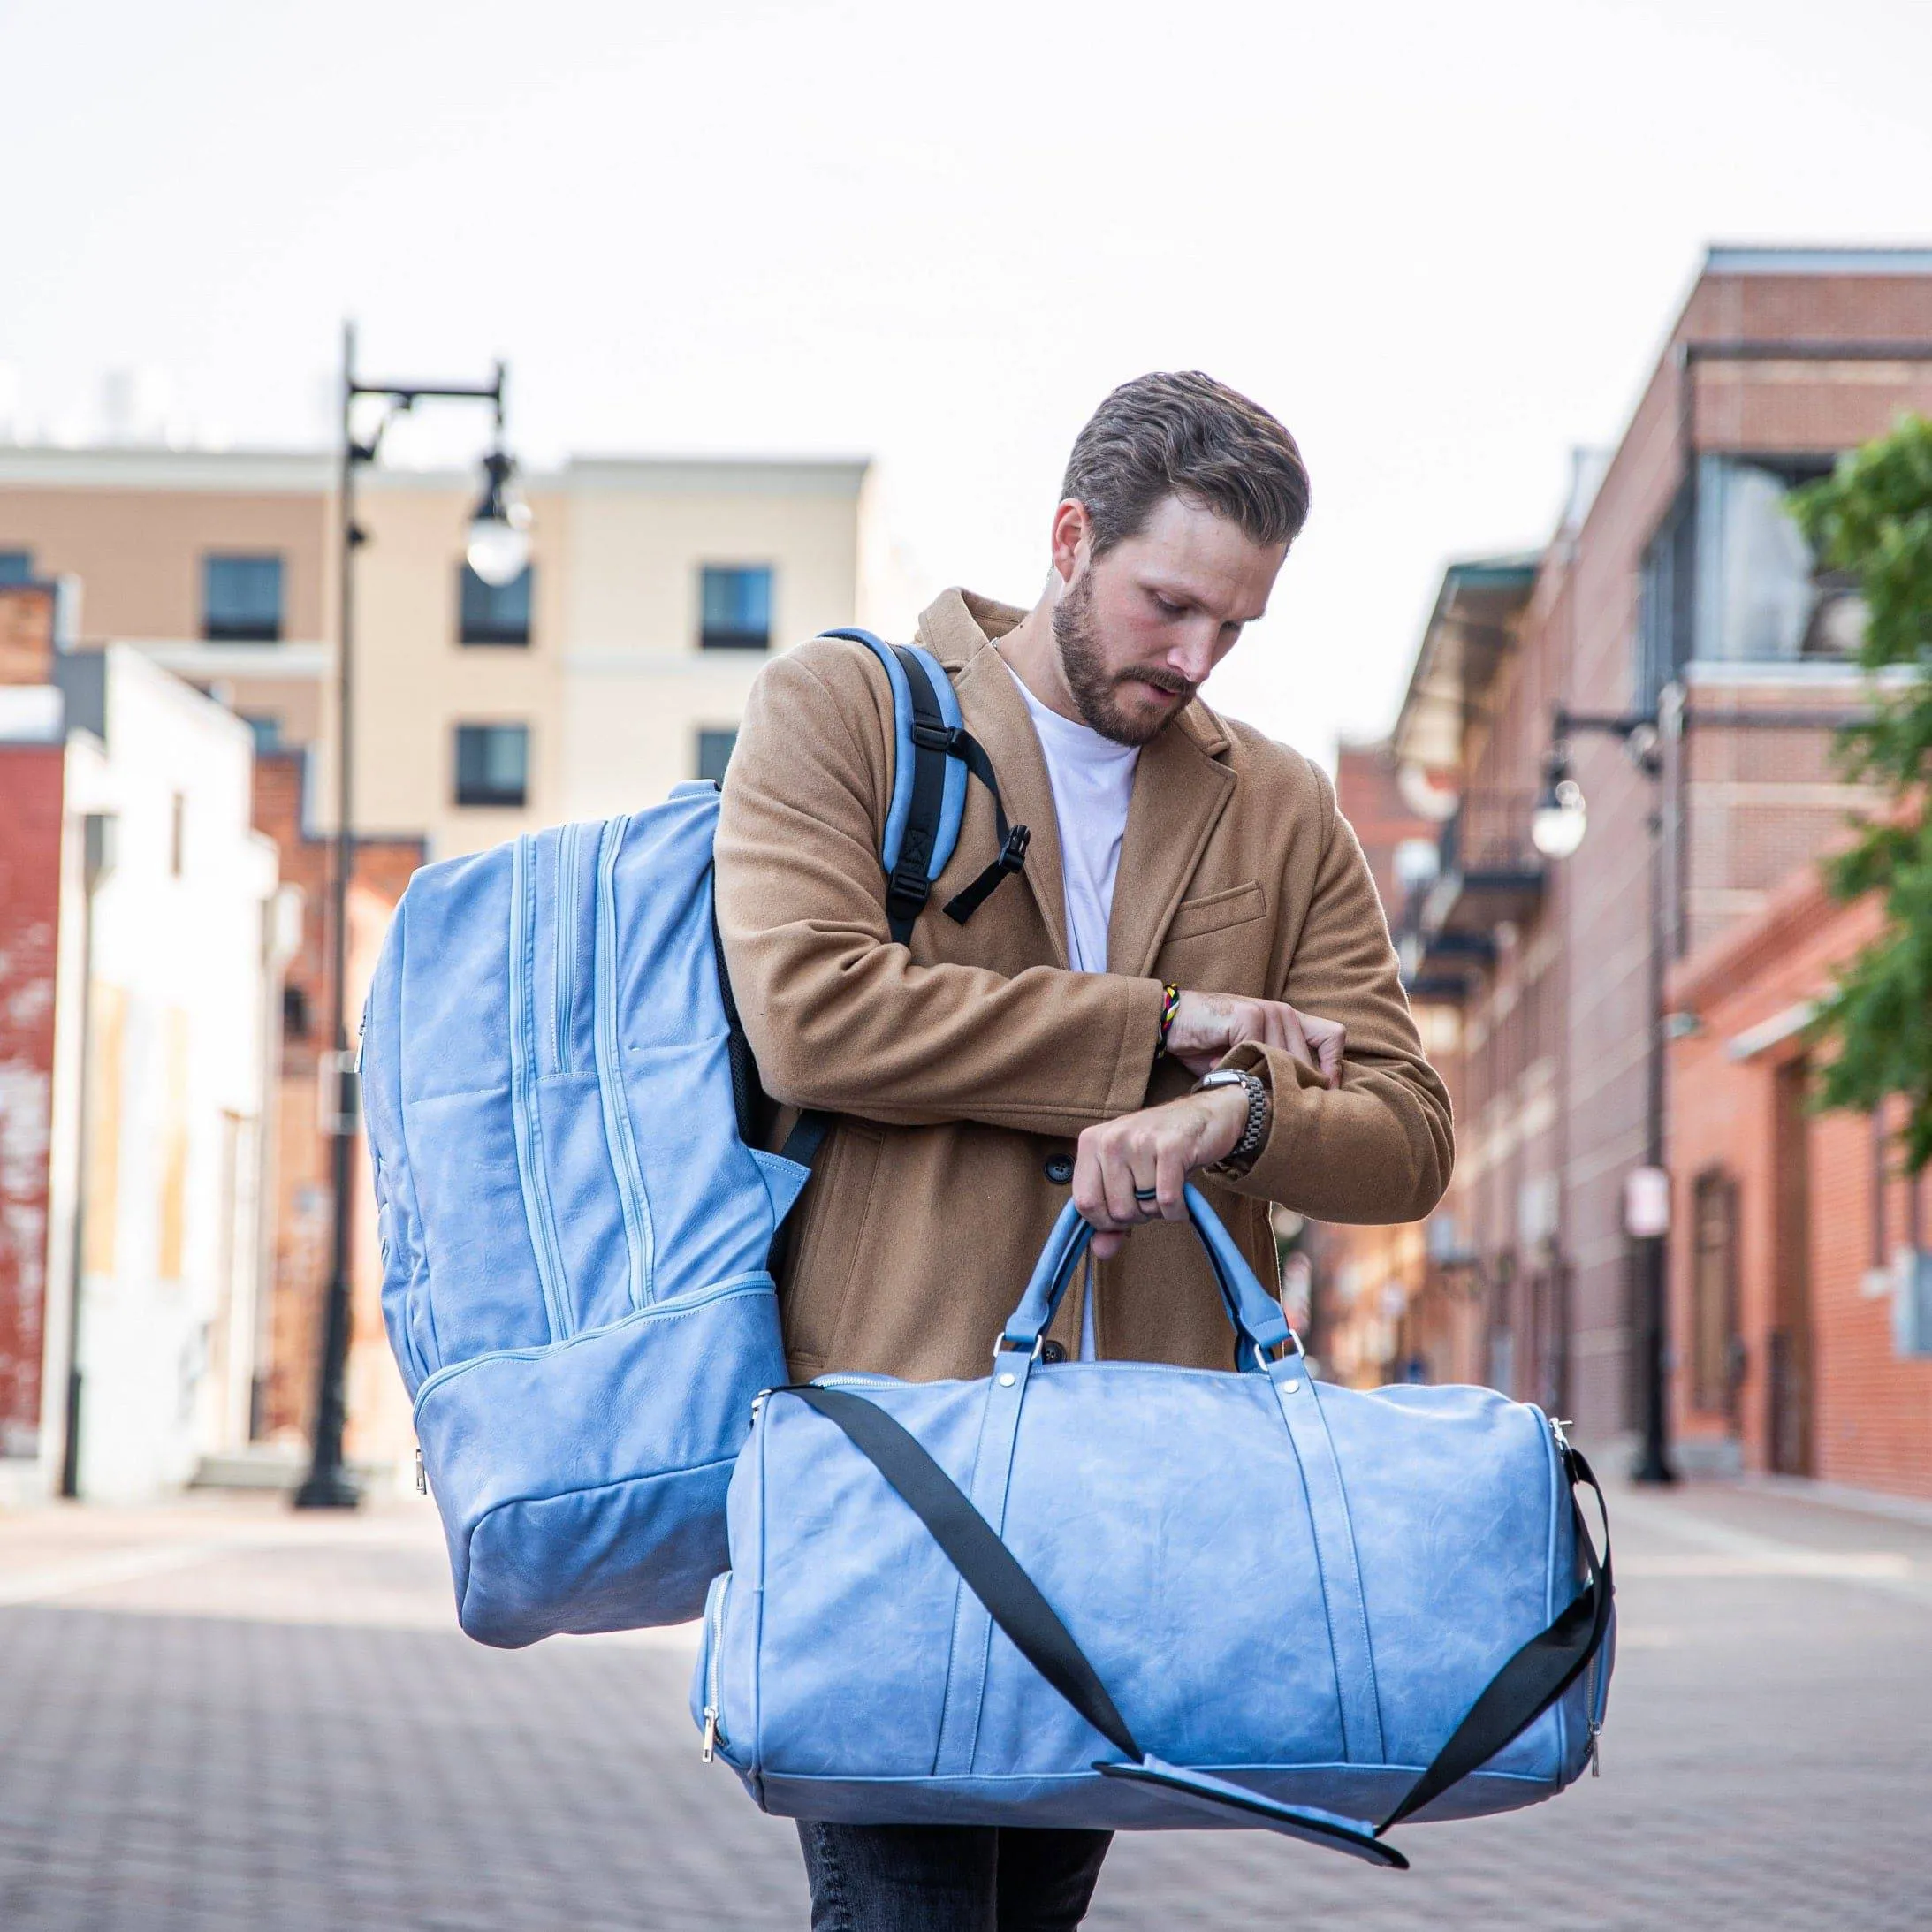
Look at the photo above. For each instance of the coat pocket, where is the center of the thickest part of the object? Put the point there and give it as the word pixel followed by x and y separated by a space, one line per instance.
pixel 1214 912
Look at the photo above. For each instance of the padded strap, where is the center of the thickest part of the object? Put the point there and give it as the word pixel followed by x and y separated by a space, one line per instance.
pixel 932 753
pixel 910 872
pixel 1014 1602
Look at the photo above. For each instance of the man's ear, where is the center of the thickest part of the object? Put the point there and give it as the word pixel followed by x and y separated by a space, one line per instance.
pixel 1072 538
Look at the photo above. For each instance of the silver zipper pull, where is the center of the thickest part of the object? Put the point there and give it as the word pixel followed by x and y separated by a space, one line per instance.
pixel 710 1746
pixel 1596 1758
pixel 422 1475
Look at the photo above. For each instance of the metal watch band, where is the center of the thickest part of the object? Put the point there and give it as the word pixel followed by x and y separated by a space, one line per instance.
pixel 1240 1157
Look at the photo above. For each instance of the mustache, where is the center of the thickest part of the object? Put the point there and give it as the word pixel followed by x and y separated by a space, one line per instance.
pixel 1160 678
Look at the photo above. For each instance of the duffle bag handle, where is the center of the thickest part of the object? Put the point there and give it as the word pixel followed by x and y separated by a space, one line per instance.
pixel 1259 1326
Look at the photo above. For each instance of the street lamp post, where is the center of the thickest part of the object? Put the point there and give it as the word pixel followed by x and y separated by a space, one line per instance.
pixel 498 548
pixel 1556 829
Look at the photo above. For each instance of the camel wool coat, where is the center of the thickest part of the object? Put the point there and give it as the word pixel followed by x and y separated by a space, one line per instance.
pixel 964 1067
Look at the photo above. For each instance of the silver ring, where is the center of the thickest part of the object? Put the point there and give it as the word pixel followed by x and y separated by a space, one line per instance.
pixel 1147 1194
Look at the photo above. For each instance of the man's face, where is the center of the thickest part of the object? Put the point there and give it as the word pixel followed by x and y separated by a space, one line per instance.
pixel 1140 628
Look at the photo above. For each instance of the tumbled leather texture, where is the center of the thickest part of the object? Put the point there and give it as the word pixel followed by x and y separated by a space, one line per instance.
pixel 1164 1514
pixel 574 1236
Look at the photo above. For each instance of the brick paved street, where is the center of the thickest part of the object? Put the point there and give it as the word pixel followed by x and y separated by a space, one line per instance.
pixel 220 1716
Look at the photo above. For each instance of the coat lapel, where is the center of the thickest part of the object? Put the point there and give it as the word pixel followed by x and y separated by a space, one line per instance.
pixel 957 630
pixel 1181 788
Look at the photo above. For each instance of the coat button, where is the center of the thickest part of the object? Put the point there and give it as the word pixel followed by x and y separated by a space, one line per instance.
pixel 1052 1351
pixel 1060 1169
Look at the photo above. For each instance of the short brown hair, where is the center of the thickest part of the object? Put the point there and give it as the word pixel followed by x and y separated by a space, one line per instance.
pixel 1183 434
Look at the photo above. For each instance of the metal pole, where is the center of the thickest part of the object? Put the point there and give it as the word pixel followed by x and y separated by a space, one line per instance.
pixel 329 1486
pixel 1653 1463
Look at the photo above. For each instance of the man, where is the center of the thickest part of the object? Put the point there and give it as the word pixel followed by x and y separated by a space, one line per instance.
pixel 1192 900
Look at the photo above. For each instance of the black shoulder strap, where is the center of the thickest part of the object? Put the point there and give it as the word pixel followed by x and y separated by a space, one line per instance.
pixel 1537 1675
pixel 1520 1693
pixel 908 885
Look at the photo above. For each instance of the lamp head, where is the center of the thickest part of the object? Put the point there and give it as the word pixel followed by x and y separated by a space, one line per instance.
pixel 499 544
pixel 1560 820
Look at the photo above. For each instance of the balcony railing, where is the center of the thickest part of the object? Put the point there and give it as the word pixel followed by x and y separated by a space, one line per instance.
pixel 1488 875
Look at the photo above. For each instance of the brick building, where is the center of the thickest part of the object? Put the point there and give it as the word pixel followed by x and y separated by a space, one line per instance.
pixel 1379 1308
pixel 31 786
pixel 1801 1316
pixel 1677 611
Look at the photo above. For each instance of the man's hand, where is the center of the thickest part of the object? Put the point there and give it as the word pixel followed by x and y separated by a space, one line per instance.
pixel 1207 1024
pixel 1153 1151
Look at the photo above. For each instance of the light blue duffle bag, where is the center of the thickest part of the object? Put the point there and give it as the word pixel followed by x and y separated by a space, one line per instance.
pixel 1128 1595
pixel 576 1218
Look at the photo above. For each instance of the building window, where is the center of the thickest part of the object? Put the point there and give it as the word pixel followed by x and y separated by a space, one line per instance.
pixel 1729 579
pixel 1666 601
pixel 736 606
pixel 714 752
pixel 266 729
pixel 492 765
pixel 16 567
pixel 241 599
pixel 491 613
pixel 1714 1293
pixel 1760 597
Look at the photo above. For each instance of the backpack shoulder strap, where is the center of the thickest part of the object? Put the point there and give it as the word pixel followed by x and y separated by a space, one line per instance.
pixel 932 753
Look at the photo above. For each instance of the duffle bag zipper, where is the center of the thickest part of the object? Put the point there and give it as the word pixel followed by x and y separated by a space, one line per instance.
pixel 709 1749
pixel 1596 1728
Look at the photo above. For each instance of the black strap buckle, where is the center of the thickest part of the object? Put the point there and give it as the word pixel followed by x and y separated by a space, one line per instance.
pixel 1013 853
pixel 947 738
pixel 907 891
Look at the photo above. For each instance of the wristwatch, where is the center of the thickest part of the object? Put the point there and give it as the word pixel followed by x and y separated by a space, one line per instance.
pixel 1240 1157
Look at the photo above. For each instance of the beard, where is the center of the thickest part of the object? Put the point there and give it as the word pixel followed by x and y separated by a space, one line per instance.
pixel 1095 688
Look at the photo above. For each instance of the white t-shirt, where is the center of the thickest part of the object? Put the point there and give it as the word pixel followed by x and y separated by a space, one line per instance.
pixel 1093 785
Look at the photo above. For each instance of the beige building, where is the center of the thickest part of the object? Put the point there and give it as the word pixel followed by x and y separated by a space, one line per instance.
pixel 616 667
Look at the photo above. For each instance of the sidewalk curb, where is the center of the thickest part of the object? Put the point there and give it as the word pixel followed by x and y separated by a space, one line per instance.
pixel 1838 1496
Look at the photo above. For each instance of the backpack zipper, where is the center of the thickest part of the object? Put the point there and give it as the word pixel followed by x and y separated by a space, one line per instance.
pixel 610 1067
pixel 525 1118
pixel 566 997
pixel 712 1665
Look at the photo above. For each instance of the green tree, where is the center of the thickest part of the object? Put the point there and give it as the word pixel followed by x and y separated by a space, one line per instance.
pixel 1872 519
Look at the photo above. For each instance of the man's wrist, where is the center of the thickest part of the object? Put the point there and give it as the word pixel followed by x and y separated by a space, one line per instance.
pixel 1254 1133
pixel 1170 1008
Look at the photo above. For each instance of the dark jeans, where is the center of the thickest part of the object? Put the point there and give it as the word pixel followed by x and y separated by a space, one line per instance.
pixel 949 1878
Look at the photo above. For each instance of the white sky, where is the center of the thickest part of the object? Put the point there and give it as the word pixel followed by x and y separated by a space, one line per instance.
pixel 1443 243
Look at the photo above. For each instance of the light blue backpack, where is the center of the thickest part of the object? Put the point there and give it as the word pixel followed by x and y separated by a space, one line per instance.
pixel 1122 1595
pixel 576 1214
